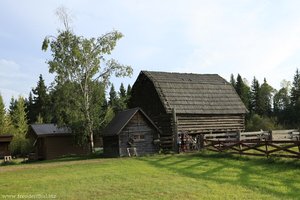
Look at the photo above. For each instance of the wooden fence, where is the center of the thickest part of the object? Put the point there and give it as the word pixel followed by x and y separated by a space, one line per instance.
pixel 280 143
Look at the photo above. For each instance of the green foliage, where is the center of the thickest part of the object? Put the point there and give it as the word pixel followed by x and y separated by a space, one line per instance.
pixel 80 63
pixel 128 92
pixel 20 146
pixel 39 106
pixel 242 90
pixel 254 96
pixel 122 91
pixel 295 100
pixel 256 123
pixel 295 91
pixel 112 96
pixel 2 115
pixel 232 81
pixel 265 99
pixel 19 117
pixel 16 124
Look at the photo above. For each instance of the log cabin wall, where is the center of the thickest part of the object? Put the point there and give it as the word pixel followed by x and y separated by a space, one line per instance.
pixel 201 124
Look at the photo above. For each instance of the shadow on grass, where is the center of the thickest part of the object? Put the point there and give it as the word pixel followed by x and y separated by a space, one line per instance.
pixel 263 175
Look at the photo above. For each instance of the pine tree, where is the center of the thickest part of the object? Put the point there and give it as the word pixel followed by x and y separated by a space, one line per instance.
pixel 2 115
pixel 122 93
pixel 295 91
pixel 295 100
pixel 20 145
pixel 31 116
pixel 40 103
pixel 232 81
pixel 112 96
pixel 265 99
pixel 254 96
pixel 12 105
pixel 128 93
pixel 243 90
pixel 19 117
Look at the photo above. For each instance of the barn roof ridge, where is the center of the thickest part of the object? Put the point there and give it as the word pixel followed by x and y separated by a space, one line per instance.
pixel 191 93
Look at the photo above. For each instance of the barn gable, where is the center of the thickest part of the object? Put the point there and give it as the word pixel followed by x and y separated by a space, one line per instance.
pixel 119 122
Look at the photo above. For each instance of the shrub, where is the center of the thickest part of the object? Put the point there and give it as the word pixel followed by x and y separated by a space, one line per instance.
pixel 256 123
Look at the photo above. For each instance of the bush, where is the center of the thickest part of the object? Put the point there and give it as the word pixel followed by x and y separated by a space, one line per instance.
pixel 20 146
pixel 256 123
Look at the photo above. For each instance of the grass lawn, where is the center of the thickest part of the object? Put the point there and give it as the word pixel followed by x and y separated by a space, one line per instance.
pixel 185 176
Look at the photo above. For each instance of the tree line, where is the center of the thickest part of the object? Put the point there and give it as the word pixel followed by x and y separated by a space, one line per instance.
pixel 268 108
pixel 54 105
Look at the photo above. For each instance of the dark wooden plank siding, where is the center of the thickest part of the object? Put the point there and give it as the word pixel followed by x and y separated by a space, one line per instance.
pixel 111 146
pixel 57 146
pixel 4 149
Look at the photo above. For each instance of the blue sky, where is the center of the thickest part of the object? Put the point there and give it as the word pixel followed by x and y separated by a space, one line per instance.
pixel 252 37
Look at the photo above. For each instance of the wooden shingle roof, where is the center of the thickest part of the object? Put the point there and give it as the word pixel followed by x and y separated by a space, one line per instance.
pixel 121 120
pixel 42 130
pixel 195 93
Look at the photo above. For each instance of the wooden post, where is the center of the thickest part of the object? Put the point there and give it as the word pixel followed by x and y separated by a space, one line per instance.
pixel 266 143
pixel 239 140
pixel 270 135
pixel 175 131
pixel 298 143
pixel 201 137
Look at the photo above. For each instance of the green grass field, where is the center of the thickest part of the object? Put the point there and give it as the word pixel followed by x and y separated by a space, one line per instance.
pixel 185 176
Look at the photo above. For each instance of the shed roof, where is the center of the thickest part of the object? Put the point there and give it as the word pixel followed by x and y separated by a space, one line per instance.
pixel 42 130
pixel 121 120
pixel 195 93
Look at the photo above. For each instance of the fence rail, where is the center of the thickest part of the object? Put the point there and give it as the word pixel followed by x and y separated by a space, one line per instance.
pixel 279 143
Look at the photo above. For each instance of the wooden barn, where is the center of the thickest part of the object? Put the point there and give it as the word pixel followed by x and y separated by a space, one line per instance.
pixel 52 142
pixel 4 145
pixel 189 104
pixel 131 132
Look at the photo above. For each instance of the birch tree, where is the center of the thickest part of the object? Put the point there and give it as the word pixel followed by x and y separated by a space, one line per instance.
pixel 82 61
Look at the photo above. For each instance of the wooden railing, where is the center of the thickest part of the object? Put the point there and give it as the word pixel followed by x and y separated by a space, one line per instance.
pixel 292 134
pixel 279 143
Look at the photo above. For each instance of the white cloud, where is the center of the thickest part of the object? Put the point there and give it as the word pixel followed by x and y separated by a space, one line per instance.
pixel 228 40
pixel 10 70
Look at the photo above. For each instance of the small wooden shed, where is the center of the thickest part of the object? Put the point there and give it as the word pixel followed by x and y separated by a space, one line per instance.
pixel 130 132
pixel 51 141
pixel 4 145
pixel 190 104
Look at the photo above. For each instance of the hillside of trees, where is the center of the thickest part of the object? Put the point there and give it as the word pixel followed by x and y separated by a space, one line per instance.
pixel 48 104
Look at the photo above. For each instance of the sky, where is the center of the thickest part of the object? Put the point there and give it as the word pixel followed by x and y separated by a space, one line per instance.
pixel 258 38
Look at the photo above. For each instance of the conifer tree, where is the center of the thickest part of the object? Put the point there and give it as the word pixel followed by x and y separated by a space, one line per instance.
pixel 2 115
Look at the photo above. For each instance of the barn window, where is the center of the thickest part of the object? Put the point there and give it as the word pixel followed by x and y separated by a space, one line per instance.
pixel 138 137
